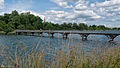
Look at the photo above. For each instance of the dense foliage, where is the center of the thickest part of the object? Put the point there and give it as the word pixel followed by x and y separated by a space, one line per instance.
pixel 27 21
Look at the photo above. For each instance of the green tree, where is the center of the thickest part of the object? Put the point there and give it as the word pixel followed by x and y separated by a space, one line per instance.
pixel 14 13
pixel 2 25
pixel 7 18
pixel 63 26
pixel 8 28
pixel 101 27
pixel 28 21
pixel 69 26
pixel 93 27
pixel 56 27
pixel 49 26
pixel 16 21
pixel 75 26
pixel 21 27
pixel 83 26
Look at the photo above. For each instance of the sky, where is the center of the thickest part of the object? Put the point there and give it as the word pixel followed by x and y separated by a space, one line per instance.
pixel 98 12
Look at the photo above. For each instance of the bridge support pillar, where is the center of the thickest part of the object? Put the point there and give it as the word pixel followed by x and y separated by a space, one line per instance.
pixel 65 35
pixel 111 37
pixel 49 35
pixel 25 33
pixel 18 33
pixel 52 35
pixel 32 33
pixel 84 36
pixel 40 34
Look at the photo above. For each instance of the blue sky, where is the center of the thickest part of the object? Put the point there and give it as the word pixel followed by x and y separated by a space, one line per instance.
pixel 99 12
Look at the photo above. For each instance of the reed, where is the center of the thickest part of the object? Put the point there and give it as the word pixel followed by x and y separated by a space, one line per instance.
pixel 67 57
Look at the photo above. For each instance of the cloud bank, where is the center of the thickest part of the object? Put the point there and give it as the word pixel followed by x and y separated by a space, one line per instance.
pixel 101 13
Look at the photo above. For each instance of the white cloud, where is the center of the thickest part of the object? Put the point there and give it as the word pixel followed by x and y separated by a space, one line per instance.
pixel 92 5
pixel 34 13
pixel 55 12
pixel 1 4
pixel 62 3
pixel 1 13
pixel 79 13
pixel 84 11
pixel 55 16
pixel 109 3
pixel 99 13
pixel 109 9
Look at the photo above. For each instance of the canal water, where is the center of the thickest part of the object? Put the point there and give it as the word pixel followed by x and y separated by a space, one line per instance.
pixel 45 43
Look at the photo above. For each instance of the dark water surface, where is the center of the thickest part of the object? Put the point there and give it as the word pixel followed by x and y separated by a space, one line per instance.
pixel 43 43
pixel 57 41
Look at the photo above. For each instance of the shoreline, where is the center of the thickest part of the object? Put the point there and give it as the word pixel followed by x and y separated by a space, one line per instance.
pixel 10 33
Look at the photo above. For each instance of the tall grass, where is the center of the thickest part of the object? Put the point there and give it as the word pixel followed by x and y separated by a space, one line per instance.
pixel 68 57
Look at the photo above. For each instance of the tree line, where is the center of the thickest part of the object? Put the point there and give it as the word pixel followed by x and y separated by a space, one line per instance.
pixel 26 21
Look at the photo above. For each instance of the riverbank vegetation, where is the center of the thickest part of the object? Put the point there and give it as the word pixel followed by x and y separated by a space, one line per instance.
pixel 69 57
pixel 26 21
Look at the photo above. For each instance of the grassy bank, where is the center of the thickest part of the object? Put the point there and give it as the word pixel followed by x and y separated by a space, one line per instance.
pixel 70 57
pixel 10 33
pixel 2 33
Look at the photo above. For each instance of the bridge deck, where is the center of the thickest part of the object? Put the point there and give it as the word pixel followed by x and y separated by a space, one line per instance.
pixel 72 32
pixel 84 34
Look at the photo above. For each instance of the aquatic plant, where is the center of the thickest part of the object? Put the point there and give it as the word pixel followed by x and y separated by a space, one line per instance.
pixel 68 57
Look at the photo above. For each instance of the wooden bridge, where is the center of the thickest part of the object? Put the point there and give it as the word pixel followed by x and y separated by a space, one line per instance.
pixel 84 34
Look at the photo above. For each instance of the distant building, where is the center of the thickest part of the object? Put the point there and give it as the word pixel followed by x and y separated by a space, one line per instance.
pixel 44 19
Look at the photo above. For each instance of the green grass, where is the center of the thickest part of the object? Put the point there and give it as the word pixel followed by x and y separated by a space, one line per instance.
pixel 2 33
pixel 74 57
pixel 10 33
